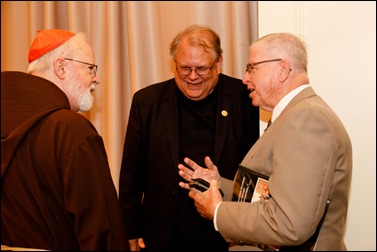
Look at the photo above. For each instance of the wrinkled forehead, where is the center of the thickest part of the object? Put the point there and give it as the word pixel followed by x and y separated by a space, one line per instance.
pixel 194 49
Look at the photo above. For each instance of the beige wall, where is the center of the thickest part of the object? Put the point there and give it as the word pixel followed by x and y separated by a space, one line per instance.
pixel 342 62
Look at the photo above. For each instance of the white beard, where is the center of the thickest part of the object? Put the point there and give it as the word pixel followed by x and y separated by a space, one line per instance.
pixel 86 100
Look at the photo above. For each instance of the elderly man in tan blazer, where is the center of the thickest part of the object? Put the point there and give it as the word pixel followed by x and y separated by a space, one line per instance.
pixel 306 153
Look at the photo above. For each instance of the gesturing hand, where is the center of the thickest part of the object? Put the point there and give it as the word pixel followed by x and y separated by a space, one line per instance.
pixel 196 171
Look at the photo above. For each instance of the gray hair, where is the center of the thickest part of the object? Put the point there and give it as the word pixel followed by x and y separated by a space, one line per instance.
pixel 198 35
pixel 286 45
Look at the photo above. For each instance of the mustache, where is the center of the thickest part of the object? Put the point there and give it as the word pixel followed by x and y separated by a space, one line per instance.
pixel 93 85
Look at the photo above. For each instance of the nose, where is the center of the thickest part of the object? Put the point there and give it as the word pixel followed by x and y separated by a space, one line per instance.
pixel 193 74
pixel 245 79
pixel 95 80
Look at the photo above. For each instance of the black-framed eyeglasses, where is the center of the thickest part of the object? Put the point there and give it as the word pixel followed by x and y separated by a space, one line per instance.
pixel 93 68
pixel 185 71
pixel 250 67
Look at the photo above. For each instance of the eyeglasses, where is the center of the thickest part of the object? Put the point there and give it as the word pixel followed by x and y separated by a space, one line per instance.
pixel 93 68
pixel 185 71
pixel 250 67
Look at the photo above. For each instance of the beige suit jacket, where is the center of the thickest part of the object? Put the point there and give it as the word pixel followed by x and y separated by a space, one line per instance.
pixel 308 154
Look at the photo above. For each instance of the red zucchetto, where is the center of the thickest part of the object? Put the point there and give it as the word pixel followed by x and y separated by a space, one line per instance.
pixel 46 41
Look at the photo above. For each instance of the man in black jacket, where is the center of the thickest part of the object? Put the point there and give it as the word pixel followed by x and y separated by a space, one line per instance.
pixel 201 112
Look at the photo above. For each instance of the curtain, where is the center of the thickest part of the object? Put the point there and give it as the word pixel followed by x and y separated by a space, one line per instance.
pixel 131 41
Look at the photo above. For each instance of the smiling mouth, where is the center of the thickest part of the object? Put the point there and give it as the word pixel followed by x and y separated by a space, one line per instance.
pixel 194 84
pixel 251 90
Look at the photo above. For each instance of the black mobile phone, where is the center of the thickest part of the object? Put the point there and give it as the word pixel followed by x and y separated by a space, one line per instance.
pixel 201 185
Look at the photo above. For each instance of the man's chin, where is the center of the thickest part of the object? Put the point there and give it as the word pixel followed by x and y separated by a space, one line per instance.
pixel 86 103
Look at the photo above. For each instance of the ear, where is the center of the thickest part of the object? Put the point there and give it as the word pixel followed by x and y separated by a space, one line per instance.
pixel 285 69
pixel 59 65
pixel 219 63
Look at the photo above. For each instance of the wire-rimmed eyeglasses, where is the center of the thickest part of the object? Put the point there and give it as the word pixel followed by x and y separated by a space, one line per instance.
pixel 93 68
pixel 185 71
pixel 250 67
